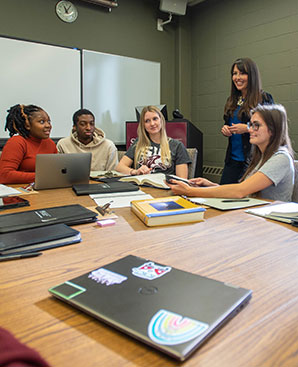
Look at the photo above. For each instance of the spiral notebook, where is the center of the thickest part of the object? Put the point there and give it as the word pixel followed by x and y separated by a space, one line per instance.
pixel 228 204
pixel 171 310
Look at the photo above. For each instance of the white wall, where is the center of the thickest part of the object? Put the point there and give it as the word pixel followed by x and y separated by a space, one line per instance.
pixel 43 75
pixel 114 85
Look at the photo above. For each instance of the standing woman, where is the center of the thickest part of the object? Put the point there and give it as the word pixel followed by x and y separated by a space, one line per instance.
pixel 153 151
pixel 29 129
pixel 246 93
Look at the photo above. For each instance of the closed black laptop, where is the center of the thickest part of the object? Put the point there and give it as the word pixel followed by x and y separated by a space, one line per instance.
pixel 169 309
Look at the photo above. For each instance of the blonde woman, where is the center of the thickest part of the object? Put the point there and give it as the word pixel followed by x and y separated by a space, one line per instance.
pixel 153 151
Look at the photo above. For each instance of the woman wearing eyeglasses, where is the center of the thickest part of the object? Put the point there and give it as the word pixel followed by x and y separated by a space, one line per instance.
pixel 246 93
pixel 270 174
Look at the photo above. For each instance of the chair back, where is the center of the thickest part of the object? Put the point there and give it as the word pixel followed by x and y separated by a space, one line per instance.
pixel 121 154
pixel 295 190
pixel 193 153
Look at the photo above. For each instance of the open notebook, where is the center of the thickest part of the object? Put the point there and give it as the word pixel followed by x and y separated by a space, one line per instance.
pixel 228 204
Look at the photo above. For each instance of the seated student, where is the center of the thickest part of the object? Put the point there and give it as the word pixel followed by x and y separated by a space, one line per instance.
pixel 33 126
pixel 270 174
pixel 85 138
pixel 153 151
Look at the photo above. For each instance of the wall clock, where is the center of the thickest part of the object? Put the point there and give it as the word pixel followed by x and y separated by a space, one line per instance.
pixel 66 11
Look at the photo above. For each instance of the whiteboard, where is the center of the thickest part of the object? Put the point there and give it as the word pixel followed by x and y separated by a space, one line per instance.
pixel 43 75
pixel 114 85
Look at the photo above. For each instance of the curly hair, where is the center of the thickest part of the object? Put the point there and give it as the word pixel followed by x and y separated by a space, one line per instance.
pixel 17 118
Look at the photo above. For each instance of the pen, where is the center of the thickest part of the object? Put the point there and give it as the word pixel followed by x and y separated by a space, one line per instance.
pixel 234 200
pixel 19 256
pixel 29 187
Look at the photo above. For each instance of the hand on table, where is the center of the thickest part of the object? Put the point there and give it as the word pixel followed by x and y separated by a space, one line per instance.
pixel 179 187
pixel 143 170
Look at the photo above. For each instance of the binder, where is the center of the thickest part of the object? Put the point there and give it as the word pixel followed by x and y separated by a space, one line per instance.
pixel 104 188
pixel 67 214
pixel 36 239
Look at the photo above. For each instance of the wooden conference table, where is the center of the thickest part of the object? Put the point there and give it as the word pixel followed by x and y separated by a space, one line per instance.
pixel 233 247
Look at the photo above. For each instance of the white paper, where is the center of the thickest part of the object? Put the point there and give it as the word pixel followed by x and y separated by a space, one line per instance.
pixel 120 201
pixel 6 191
pixel 276 209
pixel 116 194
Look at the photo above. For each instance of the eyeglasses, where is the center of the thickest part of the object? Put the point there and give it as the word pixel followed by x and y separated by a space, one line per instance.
pixel 254 125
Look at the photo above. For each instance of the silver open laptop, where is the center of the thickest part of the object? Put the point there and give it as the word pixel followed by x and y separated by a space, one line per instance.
pixel 169 309
pixel 61 170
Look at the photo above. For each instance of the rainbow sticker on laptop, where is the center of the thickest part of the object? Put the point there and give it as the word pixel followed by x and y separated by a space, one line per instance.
pixel 150 270
pixel 169 328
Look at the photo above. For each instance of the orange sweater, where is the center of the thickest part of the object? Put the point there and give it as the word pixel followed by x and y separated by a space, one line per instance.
pixel 17 162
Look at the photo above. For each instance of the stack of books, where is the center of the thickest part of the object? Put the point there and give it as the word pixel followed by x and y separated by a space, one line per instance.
pixel 40 229
pixel 37 239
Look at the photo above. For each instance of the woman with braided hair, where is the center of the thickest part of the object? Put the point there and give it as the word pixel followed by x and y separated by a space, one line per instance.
pixel 29 129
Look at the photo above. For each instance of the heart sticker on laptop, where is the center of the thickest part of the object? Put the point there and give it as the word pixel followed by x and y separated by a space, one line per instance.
pixel 150 270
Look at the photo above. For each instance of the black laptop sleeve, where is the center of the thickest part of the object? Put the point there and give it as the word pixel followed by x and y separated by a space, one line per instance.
pixel 67 214
pixel 39 238
pixel 104 188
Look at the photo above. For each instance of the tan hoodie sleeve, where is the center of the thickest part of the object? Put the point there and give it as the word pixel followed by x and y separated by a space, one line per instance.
pixel 112 160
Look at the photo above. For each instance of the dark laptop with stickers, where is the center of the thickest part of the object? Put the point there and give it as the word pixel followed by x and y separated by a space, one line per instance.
pixel 61 170
pixel 169 309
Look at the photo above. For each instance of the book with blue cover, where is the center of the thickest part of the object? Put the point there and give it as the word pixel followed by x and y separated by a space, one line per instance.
pixel 167 210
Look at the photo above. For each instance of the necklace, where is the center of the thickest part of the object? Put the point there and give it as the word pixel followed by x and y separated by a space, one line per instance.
pixel 240 101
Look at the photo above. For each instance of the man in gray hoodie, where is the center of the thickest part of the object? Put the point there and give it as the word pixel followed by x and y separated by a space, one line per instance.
pixel 85 138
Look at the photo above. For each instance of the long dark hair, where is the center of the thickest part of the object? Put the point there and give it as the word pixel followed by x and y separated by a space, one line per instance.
pixel 254 88
pixel 17 118
pixel 275 117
